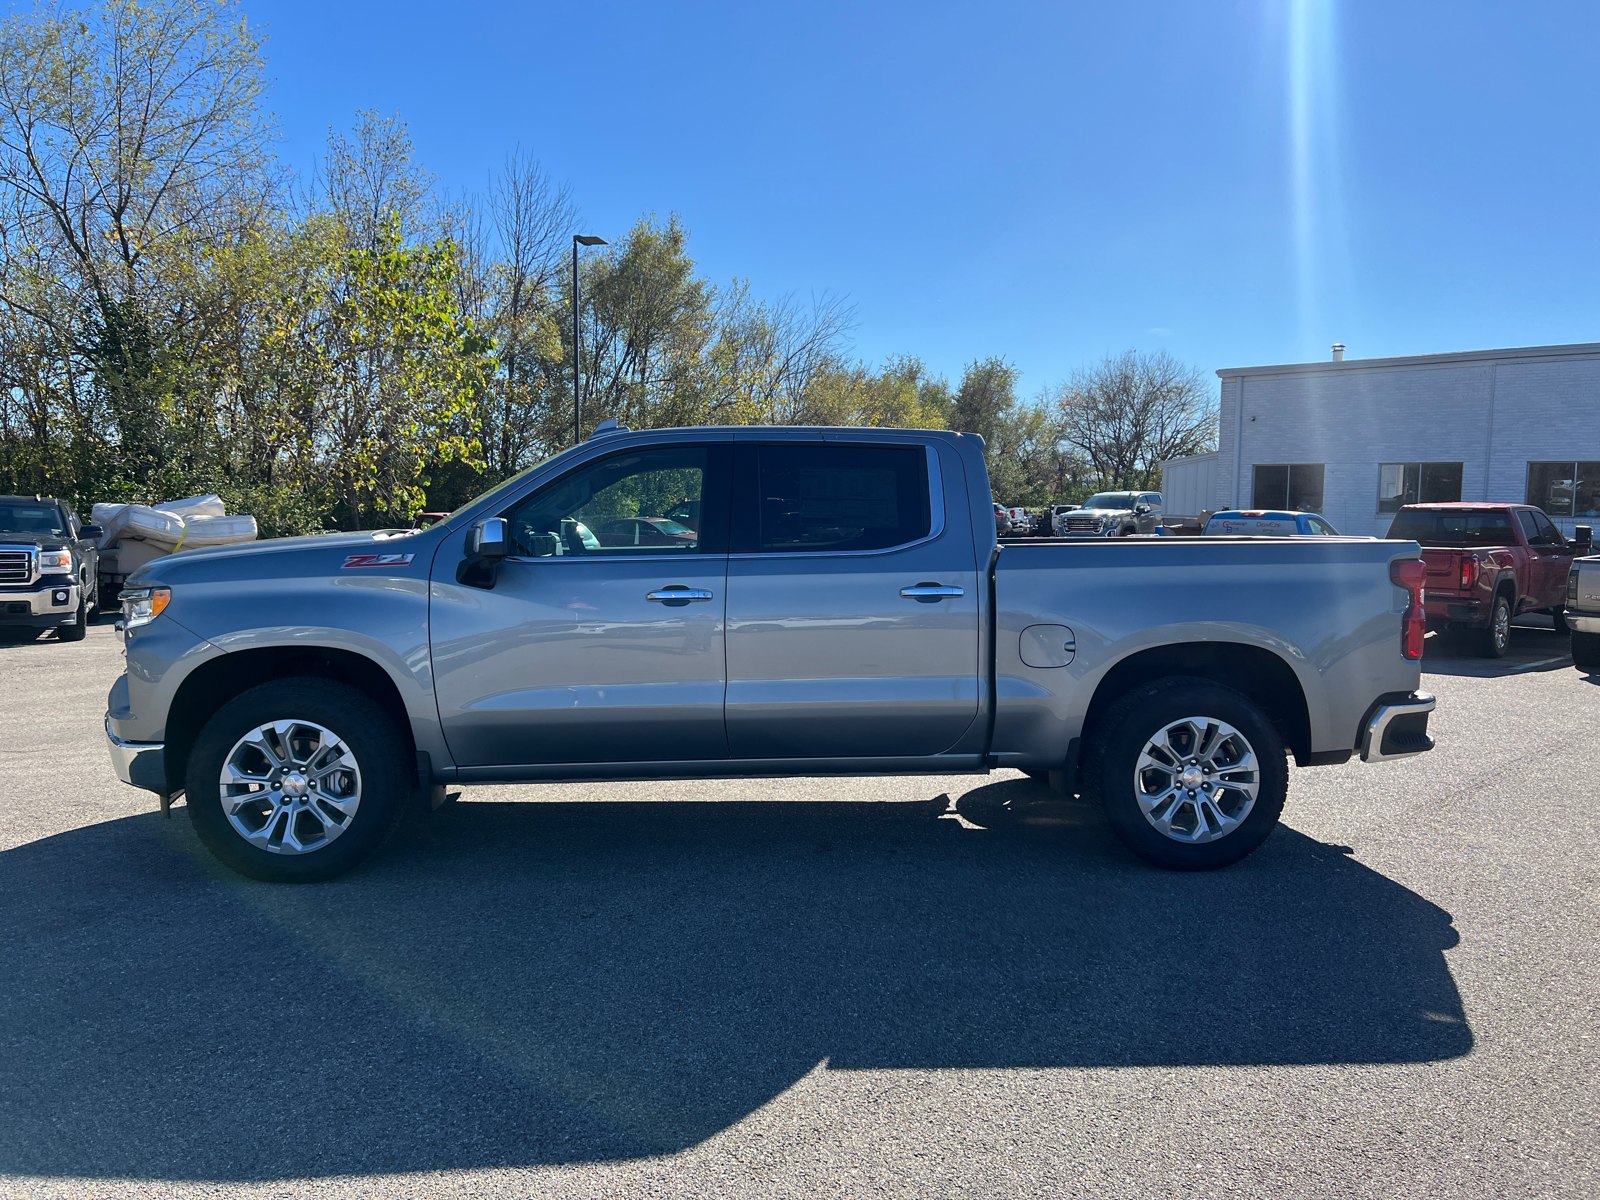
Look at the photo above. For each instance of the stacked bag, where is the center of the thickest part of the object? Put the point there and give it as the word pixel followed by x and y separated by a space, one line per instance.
pixel 133 534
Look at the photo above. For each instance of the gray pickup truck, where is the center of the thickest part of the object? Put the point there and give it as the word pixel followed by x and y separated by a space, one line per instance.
pixel 690 603
pixel 1583 609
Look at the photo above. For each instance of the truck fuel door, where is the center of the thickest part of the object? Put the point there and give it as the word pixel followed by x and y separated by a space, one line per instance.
pixel 1048 645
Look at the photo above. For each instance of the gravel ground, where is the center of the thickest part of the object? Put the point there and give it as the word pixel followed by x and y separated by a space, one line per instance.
pixel 863 987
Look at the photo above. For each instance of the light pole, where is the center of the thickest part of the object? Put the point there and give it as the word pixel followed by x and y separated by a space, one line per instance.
pixel 578 239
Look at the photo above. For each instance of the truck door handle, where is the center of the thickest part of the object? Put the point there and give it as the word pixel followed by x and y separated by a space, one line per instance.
pixel 930 592
pixel 676 594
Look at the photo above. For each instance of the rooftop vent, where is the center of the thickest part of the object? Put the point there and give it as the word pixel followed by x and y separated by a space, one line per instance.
pixel 1338 352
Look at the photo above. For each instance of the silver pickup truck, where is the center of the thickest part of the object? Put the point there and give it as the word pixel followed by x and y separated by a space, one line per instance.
pixel 1583 609
pixel 690 603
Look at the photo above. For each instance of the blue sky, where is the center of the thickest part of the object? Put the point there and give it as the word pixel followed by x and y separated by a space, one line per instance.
pixel 1236 182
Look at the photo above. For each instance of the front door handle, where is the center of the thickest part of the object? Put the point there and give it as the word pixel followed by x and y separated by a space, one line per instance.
pixel 677 594
pixel 930 592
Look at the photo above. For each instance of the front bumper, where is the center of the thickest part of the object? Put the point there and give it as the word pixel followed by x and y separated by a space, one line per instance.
pixel 1397 727
pixel 43 606
pixel 141 764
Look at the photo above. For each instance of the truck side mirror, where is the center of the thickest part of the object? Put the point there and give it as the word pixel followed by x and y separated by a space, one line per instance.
pixel 91 532
pixel 1141 509
pixel 1583 538
pixel 488 544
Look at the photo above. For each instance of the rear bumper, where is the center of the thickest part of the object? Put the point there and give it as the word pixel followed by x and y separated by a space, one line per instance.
pixel 1584 624
pixel 141 764
pixel 1397 727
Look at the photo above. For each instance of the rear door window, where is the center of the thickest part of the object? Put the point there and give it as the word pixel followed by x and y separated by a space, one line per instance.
pixel 827 498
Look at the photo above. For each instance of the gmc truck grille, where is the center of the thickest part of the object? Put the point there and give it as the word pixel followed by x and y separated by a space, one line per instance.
pixel 1083 524
pixel 16 566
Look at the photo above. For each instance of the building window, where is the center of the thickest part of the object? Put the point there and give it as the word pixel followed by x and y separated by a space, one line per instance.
pixel 1417 483
pixel 1565 489
pixel 1293 486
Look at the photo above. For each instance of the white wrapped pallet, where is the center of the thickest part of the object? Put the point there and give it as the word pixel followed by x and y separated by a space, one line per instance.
pixel 209 505
pixel 146 524
pixel 217 531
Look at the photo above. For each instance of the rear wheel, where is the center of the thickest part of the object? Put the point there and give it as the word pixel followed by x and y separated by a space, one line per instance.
pixel 1558 618
pixel 1495 640
pixel 1190 774
pixel 296 781
pixel 1586 652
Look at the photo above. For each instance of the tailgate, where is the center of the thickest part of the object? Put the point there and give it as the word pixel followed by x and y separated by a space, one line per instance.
pixel 1444 571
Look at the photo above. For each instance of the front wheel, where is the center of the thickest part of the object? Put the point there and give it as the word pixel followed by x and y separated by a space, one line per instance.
pixel 1586 652
pixel 296 781
pixel 1494 641
pixel 79 629
pixel 1191 775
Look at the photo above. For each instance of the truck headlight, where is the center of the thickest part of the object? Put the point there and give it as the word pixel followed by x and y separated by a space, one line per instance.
pixel 55 559
pixel 140 606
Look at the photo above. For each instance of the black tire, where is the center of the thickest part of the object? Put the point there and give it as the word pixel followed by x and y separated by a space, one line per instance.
pixel 79 629
pixel 1586 652
pixel 1558 618
pixel 1495 638
pixel 1118 740
pixel 364 731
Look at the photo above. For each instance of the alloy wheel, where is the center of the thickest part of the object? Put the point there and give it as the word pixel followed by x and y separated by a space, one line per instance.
pixel 290 787
pixel 1196 779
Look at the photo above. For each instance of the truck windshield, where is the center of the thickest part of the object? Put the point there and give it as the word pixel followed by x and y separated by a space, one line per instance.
pixel 1110 500
pixel 31 518
pixel 1454 528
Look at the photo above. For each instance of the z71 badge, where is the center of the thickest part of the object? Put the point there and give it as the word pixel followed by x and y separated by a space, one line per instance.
pixel 378 560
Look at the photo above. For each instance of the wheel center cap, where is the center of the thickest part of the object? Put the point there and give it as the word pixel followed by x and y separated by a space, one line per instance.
pixel 1190 778
pixel 295 784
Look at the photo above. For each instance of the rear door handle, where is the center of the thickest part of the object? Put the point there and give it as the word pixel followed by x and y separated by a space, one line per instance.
pixel 677 594
pixel 930 591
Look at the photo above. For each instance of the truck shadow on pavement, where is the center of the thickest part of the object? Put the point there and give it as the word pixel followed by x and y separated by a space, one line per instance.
pixel 1535 647
pixel 523 983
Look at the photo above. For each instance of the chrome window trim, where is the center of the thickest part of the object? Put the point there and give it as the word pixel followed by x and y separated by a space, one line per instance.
pixel 688 556
pixel 936 519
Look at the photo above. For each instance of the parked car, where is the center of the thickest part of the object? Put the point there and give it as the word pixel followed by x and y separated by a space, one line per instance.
pixel 1488 563
pixel 1002 521
pixel 1583 604
pixel 1268 523
pixel 1058 511
pixel 846 610
pixel 643 531
pixel 1115 514
pixel 49 567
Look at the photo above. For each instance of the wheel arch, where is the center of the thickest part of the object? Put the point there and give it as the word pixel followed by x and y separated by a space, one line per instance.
pixel 215 682
pixel 1258 673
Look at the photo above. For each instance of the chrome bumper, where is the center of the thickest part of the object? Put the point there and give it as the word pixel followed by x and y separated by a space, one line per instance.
pixel 1584 624
pixel 59 601
pixel 1398 729
pixel 140 764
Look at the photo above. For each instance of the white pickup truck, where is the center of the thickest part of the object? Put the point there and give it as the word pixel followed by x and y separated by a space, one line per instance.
pixel 684 603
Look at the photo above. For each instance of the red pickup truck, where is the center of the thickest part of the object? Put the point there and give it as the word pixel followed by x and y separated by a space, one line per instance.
pixel 1487 563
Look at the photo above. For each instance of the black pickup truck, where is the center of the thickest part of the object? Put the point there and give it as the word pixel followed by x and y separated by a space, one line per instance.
pixel 49 567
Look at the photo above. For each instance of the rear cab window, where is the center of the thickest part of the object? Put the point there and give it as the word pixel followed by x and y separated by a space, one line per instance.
pixel 1453 528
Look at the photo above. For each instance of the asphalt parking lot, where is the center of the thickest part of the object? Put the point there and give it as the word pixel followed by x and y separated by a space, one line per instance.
pixel 867 987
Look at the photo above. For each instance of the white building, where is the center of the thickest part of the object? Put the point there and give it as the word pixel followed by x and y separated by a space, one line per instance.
pixel 1355 439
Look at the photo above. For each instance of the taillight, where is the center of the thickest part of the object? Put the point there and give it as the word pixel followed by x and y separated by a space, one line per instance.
pixel 1411 573
pixel 1470 569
